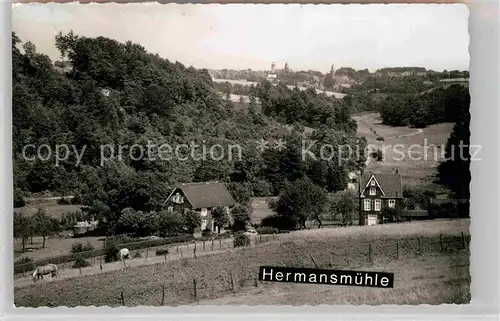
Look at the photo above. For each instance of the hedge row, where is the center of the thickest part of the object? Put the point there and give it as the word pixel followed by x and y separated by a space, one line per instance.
pixel 21 268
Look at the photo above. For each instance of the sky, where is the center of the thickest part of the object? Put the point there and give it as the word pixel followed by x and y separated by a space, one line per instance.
pixel 241 36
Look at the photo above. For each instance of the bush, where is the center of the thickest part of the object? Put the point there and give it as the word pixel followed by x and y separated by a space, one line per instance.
pixel 267 230
pixel 137 255
pixel 80 262
pixel 79 247
pixel 380 138
pixel 63 201
pixel 161 252
pixel 206 233
pixel 278 222
pixel 25 263
pixel 19 198
pixel 76 200
pixel 110 251
pixel 241 239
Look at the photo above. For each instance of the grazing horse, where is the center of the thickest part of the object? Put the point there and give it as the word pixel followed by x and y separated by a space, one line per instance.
pixel 40 271
pixel 124 254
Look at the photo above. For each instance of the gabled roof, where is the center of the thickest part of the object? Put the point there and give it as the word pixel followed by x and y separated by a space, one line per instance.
pixel 389 183
pixel 206 194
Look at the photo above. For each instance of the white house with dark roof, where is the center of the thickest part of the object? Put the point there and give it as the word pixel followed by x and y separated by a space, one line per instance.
pixel 202 198
pixel 377 192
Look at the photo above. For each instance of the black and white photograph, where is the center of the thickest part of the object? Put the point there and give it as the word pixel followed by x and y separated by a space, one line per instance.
pixel 241 154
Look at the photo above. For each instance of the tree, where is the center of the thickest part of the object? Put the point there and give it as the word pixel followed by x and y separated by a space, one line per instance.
pixel 170 223
pixel 344 203
pixel 241 217
pixel 329 82
pixel 19 198
pixel 45 225
pixel 220 217
pixel 300 201
pixel 22 228
pixel 192 220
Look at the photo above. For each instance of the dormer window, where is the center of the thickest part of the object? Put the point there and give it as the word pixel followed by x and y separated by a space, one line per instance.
pixel 372 183
pixel 177 198
pixel 372 191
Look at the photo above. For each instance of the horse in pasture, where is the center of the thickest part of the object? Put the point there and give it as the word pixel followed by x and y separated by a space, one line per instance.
pixel 40 271
pixel 124 254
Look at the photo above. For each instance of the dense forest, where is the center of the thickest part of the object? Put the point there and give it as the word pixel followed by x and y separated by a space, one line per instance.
pixel 119 94
pixel 435 106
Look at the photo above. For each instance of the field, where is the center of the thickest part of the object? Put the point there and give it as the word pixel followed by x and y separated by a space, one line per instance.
pixel 405 148
pixel 54 246
pixel 430 261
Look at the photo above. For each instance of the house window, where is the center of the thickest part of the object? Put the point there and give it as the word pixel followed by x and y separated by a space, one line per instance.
pixel 377 205
pixel 203 224
pixel 372 191
pixel 392 203
pixel 367 205
pixel 204 212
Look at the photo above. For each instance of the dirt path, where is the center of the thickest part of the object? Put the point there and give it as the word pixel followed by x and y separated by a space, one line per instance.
pixel 148 258
pixel 415 153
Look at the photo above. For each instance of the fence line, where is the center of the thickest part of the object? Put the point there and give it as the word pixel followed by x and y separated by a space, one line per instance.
pixel 404 248
pixel 186 251
pixel 67 260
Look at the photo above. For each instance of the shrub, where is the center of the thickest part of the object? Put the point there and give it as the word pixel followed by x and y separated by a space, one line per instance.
pixel 380 138
pixel 278 222
pixel 19 198
pixel 79 247
pixel 241 239
pixel 206 233
pixel 137 255
pixel 267 230
pixel 76 200
pixel 25 263
pixel 63 201
pixel 110 251
pixel 161 252
pixel 80 262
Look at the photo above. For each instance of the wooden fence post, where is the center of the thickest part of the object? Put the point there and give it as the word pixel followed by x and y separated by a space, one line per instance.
pixel 163 294
pixel 147 252
pixel 419 245
pixel 220 243
pixel 194 252
pixel 463 241
pixel 232 281
pixel 124 265
pixel 194 288
pixel 316 265
pixel 256 282
pixel 80 269
pixel 165 257
pixel 441 242
pixel 212 244
pixel 177 248
pixel 203 245
pixel 123 299
pixel 397 250
pixel 370 252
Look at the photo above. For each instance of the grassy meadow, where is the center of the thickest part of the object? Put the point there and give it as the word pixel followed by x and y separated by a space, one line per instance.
pixel 430 261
